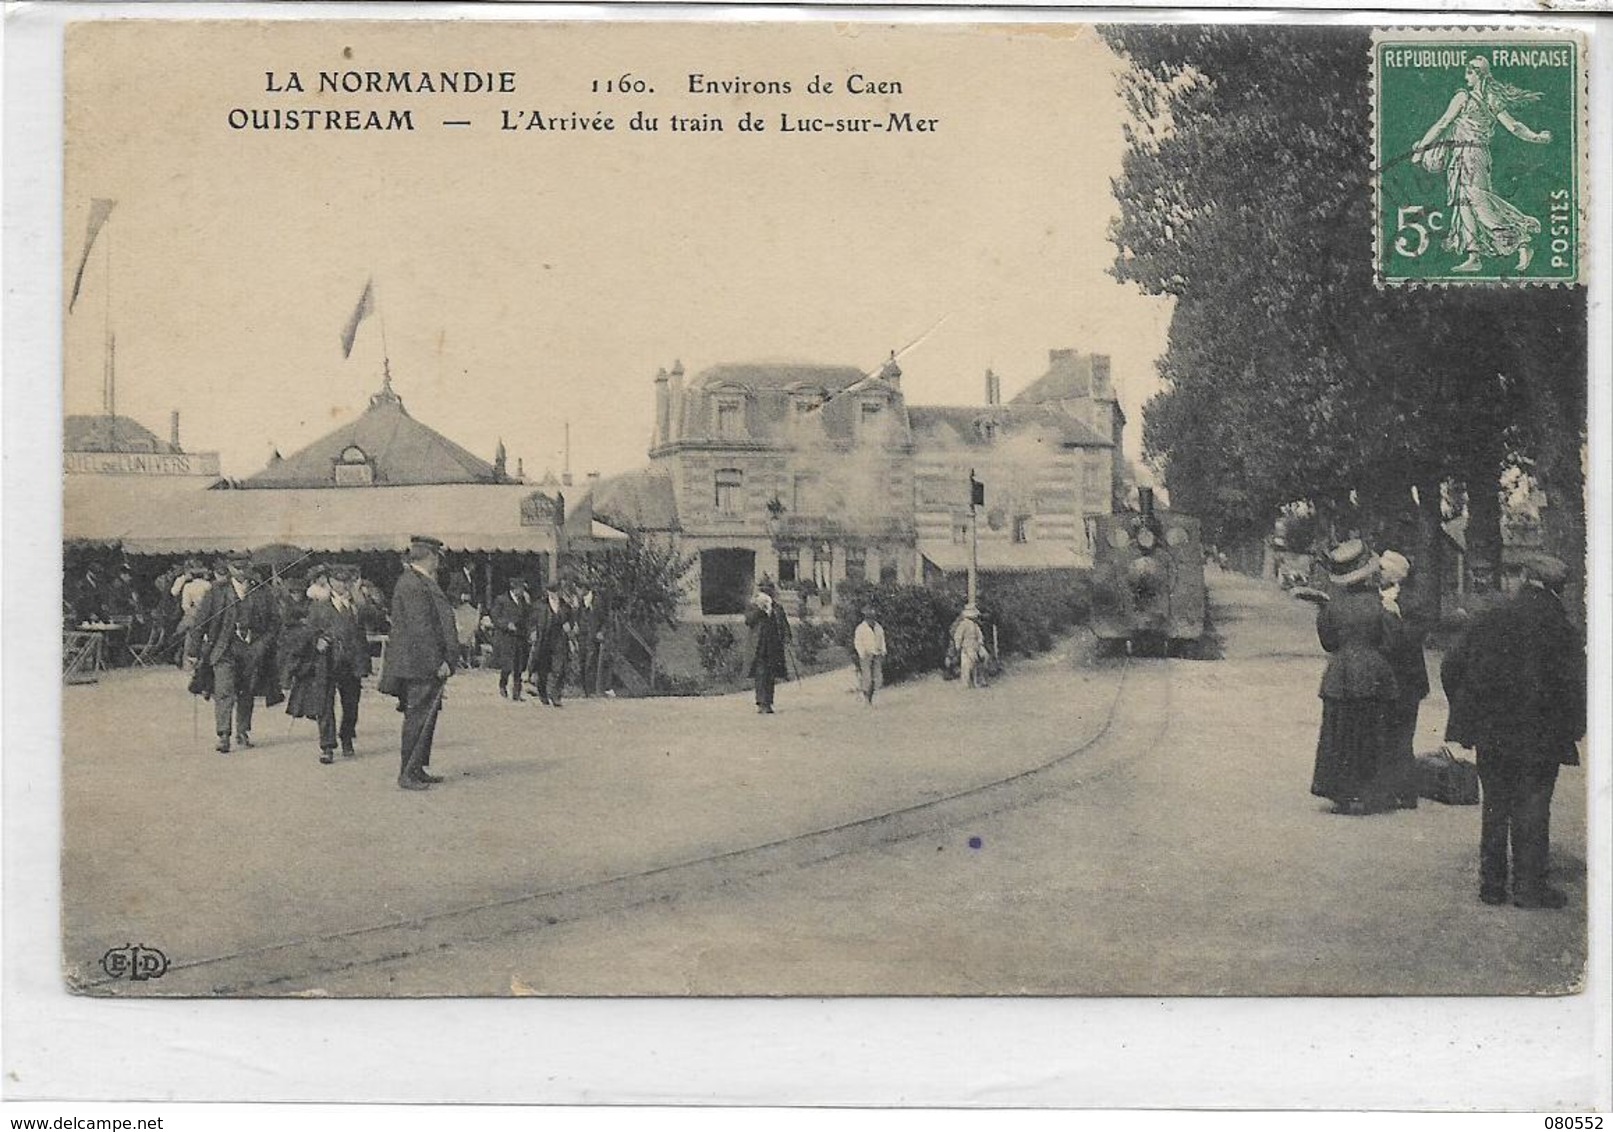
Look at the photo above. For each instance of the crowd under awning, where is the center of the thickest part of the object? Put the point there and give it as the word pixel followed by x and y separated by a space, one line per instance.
pixel 157 517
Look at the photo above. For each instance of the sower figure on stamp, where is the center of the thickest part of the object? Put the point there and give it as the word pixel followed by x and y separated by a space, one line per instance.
pixel 1519 676
pixel 1482 223
pixel 420 657
pixel 331 661
pixel 511 615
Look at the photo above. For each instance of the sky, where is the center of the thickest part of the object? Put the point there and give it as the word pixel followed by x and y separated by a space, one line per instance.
pixel 527 278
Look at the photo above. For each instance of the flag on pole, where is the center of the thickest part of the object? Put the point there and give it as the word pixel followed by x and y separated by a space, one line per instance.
pixel 366 306
pixel 100 209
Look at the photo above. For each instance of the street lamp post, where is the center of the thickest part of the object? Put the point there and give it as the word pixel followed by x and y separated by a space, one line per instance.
pixel 977 499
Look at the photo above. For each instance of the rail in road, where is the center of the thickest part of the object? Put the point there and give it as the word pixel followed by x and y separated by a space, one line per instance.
pixel 1137 720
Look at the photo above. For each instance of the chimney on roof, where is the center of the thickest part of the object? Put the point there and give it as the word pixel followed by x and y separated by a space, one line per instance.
pixel 663 408
pixel 994 388
pixel 520 469
pixel 500 460
pixel 173 431
pixel 565 469
pixel 675 400
pixel 1102 389
pixel 890 371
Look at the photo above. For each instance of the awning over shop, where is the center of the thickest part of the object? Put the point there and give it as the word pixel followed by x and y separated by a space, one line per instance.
pixel 997 557
pixel 148 518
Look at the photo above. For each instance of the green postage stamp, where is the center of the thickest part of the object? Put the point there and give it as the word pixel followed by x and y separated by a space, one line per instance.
pixel 1477 169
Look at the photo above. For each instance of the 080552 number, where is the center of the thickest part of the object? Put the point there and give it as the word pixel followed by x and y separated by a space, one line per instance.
pixel 1573 1123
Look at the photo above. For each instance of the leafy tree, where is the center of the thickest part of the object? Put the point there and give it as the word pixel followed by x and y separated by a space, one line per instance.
pixel 643 581
pixel 1246 194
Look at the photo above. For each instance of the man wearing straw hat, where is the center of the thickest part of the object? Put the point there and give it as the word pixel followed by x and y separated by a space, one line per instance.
pixel 420 656
pixel 1520 675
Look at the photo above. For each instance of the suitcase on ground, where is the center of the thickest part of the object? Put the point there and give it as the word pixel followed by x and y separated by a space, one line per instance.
pixel 1442 777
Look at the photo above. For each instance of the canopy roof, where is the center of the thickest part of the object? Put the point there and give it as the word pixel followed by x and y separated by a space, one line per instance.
pixel 162 517
pixel 399 450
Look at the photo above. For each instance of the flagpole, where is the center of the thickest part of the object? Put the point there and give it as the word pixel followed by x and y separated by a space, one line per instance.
pixel 111 393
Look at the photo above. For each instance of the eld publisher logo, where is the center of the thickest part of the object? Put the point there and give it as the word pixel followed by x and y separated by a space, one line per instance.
pixel 135 962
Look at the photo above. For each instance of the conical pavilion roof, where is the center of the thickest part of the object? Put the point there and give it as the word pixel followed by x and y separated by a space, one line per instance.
pixel 399 450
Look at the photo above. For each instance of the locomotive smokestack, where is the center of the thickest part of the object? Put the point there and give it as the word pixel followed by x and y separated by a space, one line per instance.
pixel 1145 501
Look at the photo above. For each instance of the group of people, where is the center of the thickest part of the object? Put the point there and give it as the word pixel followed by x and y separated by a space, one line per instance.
pixel 251 632
pixel 1515 683
pixel 536 642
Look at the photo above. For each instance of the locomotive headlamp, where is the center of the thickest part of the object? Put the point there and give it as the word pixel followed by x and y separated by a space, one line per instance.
pixel 1146 538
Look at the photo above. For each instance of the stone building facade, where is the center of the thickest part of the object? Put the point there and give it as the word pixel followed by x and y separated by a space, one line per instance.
pixel 820 475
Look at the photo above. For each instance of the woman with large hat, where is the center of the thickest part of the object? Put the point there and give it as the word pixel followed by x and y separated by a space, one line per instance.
pixel 1358 687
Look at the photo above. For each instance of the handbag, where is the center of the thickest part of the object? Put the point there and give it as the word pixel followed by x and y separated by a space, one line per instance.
pixel 1443 777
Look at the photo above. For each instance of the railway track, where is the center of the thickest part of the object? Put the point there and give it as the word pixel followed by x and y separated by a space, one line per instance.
pixel 1137 718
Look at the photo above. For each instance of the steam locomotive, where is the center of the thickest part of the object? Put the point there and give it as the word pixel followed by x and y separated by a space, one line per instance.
pixel 1147 576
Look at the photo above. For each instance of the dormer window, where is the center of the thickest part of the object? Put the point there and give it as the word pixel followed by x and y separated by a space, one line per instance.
pixel 353 468
pixel 987 430
pixel 730 418
pixel 869 416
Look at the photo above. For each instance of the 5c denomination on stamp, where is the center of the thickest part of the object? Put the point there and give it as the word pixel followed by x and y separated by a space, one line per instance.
pixel 1477 143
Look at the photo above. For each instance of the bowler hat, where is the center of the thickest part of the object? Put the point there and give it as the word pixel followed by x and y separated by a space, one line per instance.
pixel 1350 562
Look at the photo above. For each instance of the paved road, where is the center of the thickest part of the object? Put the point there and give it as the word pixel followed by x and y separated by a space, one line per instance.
pixel 1167 845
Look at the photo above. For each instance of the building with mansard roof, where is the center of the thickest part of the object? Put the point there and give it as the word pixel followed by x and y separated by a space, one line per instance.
pixel 819 475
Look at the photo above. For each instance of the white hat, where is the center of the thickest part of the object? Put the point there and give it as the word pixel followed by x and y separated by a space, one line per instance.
pixel 1393 566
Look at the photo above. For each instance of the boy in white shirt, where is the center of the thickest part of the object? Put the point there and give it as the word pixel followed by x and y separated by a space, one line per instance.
pixel 869 643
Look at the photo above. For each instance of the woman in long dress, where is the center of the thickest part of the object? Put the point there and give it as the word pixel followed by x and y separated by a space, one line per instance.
pixel 1358 687
pixel 1404 631
pixel 1481 222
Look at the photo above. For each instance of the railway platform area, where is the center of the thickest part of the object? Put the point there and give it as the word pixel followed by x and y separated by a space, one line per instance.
pixel 1137 827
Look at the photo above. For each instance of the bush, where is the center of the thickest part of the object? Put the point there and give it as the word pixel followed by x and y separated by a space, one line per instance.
pixel 811 637
pixel 916 620
pixel 719 654
pixel 1028 611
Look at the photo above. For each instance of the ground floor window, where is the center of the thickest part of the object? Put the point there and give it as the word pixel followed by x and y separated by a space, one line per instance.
pixel 789 565
pixel 727 579
pixel 856 563
pixel 887 569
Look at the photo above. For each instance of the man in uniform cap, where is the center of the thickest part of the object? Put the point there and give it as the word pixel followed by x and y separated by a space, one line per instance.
pixel 420 656
pixel 1520 678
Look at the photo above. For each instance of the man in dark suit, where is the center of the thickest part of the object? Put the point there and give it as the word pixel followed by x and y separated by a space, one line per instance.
pixel 1519 677
pixel 511 614
pixel 589 620
pixel 335 655
pixel 237 625
pixel 551 645
pixel 420 657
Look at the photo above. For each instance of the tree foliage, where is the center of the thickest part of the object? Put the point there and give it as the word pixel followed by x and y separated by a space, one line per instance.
pixel 1246 193
pixel 643 581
